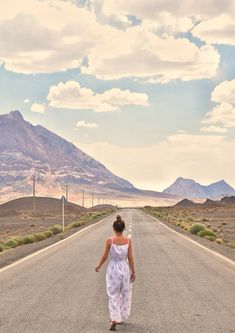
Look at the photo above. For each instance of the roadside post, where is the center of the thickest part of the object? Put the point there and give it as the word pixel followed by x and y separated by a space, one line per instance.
pixel 64 201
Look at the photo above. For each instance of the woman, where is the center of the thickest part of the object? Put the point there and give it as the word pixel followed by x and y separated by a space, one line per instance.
pixel 120 273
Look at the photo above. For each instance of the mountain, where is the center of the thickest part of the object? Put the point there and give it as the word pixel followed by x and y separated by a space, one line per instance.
pixel 185 203
pixel 229 201
pixel 188 188
pixel 27 150
pixel 211 203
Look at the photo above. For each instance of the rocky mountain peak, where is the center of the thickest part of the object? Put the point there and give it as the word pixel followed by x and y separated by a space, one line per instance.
pixel 188 188
pixel 16 115
pixel 26 149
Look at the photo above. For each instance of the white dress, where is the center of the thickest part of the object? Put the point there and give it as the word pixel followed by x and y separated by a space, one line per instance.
pixel 118 284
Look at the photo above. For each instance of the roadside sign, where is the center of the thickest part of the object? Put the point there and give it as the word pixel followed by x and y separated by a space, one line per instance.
pixel 63 199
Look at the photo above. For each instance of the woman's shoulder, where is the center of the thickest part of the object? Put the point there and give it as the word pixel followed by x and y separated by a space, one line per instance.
pixel 109 240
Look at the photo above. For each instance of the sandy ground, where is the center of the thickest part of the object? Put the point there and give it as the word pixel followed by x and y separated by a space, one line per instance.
pixel 26 224
pixel 9 256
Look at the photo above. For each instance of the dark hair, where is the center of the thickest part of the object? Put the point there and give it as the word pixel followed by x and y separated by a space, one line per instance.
pixel 119 224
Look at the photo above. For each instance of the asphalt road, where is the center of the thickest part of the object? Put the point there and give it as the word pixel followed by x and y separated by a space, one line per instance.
pixel 180 287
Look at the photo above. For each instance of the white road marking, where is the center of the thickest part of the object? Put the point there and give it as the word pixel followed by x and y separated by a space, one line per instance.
pixel 50 246
pixel 196 243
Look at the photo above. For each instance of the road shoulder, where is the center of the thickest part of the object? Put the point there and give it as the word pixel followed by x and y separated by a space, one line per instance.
pixel 219 248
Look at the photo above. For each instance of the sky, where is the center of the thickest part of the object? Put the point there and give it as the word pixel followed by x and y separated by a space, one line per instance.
pixel 145 87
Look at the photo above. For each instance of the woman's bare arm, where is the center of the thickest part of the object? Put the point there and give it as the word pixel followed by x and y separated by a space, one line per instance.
pixel 105 254
pixel 131 261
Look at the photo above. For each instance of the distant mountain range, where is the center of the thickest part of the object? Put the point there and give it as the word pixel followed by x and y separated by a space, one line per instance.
pixel 225 201
pixel 27 150
pixel 188 188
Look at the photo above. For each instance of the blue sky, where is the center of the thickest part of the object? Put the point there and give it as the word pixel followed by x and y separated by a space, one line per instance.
pixel 146 88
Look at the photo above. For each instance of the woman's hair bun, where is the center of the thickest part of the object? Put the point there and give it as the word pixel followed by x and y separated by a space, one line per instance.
pixel 119 224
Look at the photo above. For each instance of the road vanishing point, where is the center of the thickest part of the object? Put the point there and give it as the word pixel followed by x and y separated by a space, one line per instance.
pixel 180 287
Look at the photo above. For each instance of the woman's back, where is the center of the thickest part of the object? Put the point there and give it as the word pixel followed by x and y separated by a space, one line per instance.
pixel 119 252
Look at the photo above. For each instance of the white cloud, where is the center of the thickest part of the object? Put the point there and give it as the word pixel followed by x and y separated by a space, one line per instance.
pixel 217 30
pixel 72 96
pixel 202 157
pixel 223 113
pixel 152 9
pixel 85 124
pixel 39 108
pixel 44 36
pixel 214 20
pixel 214 129
pixel 224 92
pixel 26 100
pixel 143 54
pixel 168 24
pixel 50 36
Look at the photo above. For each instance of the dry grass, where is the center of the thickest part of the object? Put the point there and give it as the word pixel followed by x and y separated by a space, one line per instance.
pixel 218 223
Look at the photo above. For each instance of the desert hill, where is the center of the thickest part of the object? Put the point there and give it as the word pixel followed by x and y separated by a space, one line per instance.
pixel 43 205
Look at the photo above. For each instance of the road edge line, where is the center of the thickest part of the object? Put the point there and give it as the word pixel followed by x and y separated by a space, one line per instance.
pixel 221 256
pixel 52 245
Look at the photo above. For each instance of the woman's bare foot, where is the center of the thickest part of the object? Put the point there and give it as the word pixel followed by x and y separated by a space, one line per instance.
pixel 113 326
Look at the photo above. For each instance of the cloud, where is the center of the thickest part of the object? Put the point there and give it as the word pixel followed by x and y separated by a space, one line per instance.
pixel 72 96
pixel 84 124
pixel 224 92
pixel 44 36
pixel 26 100
pixel 224 112
pixel 152 9
pixel 202 157
pixel 143 54
pixel 39 108
pixel 51 36
pixel 214 129
pixel 213 20
pixel 217 30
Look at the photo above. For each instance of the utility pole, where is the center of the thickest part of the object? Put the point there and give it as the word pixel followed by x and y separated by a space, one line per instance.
pixel 92 200
pixel 34 193
pixel 63 201
pixel 83 198
pixel 67 192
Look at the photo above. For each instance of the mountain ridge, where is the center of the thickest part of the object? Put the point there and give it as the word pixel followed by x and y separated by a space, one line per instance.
pixel 190 189
pixel 26 150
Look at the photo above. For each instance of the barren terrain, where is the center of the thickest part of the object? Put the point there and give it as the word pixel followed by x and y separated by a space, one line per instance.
pixel 219 219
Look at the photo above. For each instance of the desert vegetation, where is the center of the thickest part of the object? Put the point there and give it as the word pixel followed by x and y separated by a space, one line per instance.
pixel 217 224
pixel 82 219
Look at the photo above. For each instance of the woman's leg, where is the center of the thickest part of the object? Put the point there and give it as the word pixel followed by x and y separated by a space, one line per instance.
pixel 113 287
pixel 126 297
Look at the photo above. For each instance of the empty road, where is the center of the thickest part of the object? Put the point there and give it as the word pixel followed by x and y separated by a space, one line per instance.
pixel 180 287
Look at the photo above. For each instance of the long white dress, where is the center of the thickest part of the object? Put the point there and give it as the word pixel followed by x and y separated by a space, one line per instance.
pixel 118 285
